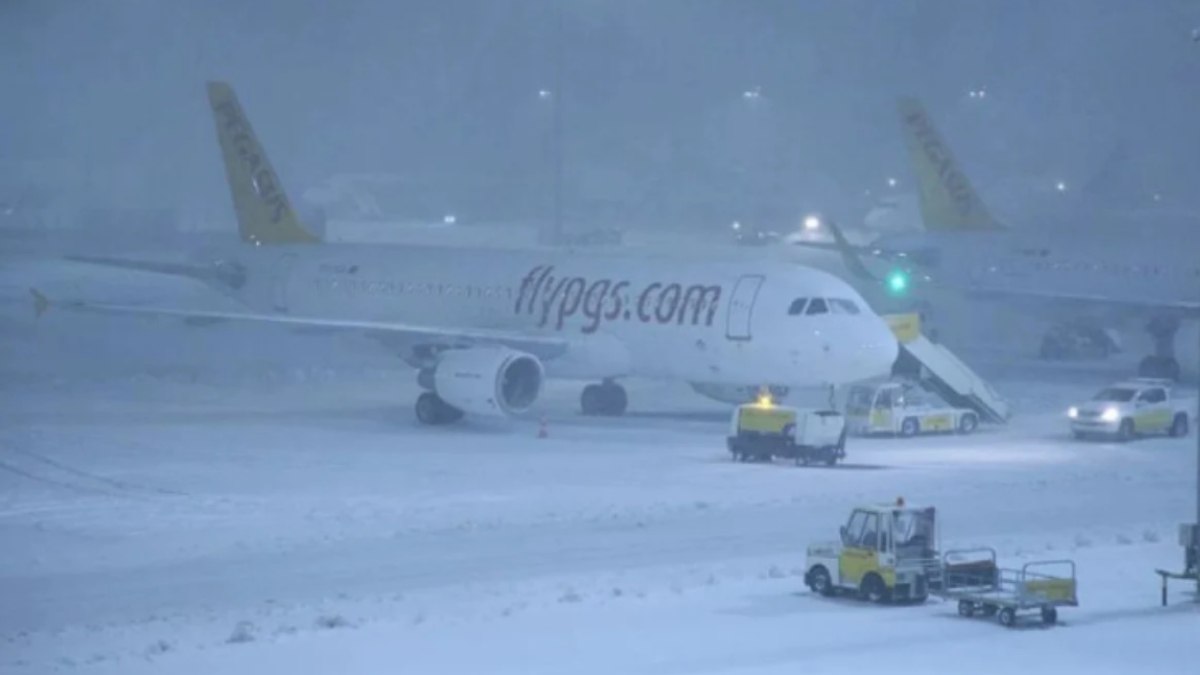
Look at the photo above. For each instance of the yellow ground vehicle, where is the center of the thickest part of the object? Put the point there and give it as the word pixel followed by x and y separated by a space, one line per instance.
pixel 903 408
pixel 886 552
pixel 761 431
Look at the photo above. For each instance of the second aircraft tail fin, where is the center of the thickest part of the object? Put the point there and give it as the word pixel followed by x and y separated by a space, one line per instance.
pixel 948 201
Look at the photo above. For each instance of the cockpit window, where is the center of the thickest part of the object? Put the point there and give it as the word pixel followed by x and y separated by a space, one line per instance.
pixel 842 306
pixel 817 306
pixel 797 307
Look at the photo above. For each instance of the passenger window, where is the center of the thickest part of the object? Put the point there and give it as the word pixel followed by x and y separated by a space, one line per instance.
pixel 841 306
pixel 817 306
pixel 797 307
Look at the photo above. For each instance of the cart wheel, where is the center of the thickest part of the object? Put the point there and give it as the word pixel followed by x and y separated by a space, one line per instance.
pixel 1008 617
pixel 966 608
pixel 1049 616
pixel 990 610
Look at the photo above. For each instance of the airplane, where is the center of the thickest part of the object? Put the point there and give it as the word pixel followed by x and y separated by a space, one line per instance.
pixel 1073 275
pixel 484 328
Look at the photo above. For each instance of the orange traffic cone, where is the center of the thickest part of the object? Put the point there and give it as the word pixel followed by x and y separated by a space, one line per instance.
pixel 543 432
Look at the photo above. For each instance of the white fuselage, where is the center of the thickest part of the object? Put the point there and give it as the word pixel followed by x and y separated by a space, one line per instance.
pixel 1115 276
pixel 619 315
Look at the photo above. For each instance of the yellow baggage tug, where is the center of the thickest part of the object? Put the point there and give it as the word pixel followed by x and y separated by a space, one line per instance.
pixel 762 430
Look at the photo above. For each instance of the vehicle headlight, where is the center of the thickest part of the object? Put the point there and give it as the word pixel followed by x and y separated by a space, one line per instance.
pixel 1072 412
pixel 1110 415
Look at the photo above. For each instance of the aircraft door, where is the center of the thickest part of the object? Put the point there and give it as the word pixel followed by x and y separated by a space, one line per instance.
pixel 741 306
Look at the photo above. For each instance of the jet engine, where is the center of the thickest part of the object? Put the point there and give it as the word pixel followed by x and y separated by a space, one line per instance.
pixel 488 381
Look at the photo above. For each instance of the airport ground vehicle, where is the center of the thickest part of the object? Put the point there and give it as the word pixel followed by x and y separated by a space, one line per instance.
pixel 886 552
pixel 981 587
pixel 761 431
pixel 1129 409
pixel 903 408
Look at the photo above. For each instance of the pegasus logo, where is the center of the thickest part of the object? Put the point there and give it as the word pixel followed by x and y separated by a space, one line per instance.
pixel 939 157
pixel 555 299
pixel 237 130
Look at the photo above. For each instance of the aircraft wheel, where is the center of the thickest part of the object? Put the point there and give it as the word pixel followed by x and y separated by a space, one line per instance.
pixel 433 411
pixel 1161 367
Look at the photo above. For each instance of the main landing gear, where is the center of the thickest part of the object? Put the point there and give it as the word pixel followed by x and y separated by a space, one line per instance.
pixel 604 400
pixel 1162 364
pixel 432 410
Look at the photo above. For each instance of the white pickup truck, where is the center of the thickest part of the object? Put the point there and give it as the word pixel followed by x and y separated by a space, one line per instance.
pixel 1129 409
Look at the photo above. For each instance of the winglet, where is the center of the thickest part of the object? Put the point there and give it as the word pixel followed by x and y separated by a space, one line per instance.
pixel 41 304
pixel 948 201
pixel 264 213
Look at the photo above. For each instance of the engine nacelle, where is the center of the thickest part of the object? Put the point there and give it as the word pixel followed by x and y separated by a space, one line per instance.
pixel 488 381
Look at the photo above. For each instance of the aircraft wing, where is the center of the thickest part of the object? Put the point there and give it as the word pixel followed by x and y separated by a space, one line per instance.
pixel 544 347
pixel 1094 304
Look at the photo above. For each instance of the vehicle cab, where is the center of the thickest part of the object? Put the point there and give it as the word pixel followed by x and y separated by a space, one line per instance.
pixel 904 408
pixel 1129 409
pixel 885 552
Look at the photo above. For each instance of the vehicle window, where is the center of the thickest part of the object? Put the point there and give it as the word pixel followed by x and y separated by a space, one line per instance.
pixel 1153 396
pixel 1115 395
pixel 884 400
pixel 854 528
pixel 870 533
pixel 797 306
pixel 817 306
pixel 843 306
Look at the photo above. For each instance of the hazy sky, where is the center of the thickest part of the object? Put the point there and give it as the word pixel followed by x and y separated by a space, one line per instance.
pixel 652 91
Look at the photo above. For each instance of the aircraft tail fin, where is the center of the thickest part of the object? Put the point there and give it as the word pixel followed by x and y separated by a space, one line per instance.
pixel 948 200
pixel 265 215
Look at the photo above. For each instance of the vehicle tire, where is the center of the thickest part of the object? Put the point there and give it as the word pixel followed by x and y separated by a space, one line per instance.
pixel 819 582
pixel 966 608
pixel 1125 431
pixel 1007 617
pixel 910 427
pixel 873 589
pixel 830 456
pixel 1049 616
pixel 1179 428
pixel 968 424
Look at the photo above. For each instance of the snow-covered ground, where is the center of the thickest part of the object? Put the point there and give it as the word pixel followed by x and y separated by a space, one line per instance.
pixel 239 500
